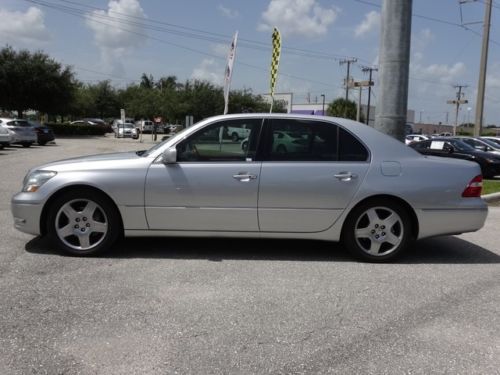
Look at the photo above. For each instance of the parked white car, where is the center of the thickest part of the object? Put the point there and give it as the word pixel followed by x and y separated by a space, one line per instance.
pixel 126 130
pixel 5 137
pixel 410 138
pixel 22 131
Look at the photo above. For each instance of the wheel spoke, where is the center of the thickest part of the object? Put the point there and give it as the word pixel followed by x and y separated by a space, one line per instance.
pixel 89 209
pixel 374 247
pixel 363 232
pixel 65 231
pixel 99 227
pixel 84 240
pixel 69 211
pixel 372 215
pixel 391 220
pixel 392 239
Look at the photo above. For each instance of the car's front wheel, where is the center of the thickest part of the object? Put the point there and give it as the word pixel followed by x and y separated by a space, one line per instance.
pixel 83 222
pixel 378 230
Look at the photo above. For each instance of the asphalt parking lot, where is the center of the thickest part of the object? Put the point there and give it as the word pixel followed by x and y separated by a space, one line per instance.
pixel 214 306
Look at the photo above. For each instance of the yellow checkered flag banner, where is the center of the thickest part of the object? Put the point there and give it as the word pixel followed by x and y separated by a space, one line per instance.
pixel 275 61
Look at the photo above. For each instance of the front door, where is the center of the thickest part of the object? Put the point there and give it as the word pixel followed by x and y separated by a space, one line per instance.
pixel 214 184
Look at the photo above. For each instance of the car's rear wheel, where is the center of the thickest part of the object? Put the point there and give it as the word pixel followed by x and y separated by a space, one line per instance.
pixel 42 143
pixel 378 230
pixel 234 137
pixel 83 222
pixel 26 144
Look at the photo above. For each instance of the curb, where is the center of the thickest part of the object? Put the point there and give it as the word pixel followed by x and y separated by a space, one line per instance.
pixel 491 198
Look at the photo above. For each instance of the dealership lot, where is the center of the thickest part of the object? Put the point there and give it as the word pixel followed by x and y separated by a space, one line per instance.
pixel 241 306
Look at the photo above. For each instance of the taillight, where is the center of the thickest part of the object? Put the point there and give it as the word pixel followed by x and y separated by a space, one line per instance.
pixel 473 189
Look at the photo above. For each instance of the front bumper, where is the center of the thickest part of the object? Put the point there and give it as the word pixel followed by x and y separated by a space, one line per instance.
pixel 26 214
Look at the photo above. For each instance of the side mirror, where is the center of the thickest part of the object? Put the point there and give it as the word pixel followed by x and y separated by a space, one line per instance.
pixel 450 149
pixel 169 156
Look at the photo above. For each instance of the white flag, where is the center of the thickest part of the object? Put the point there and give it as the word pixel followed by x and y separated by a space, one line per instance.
pixel 229 71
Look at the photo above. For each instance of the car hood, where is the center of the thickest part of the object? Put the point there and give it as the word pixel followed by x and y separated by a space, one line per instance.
pixel 100 161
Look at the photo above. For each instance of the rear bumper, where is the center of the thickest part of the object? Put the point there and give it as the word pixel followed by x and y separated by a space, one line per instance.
pixel 437 222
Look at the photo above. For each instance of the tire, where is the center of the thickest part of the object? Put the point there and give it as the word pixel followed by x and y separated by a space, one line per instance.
pixel 377 231
pixel 42 143
pixel 26 144
pixel 84 223
pixel 244 145
pixel 234 137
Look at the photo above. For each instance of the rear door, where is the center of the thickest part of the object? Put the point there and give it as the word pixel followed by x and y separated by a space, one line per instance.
pixel 310 172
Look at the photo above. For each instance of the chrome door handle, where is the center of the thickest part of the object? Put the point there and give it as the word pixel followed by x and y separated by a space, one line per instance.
pixel 244 177
pixel 345 176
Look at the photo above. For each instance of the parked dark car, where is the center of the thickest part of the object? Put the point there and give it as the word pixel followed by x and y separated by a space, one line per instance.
pixel 44 134
pixel 454 148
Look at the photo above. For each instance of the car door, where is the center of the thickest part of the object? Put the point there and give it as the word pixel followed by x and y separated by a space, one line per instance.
pixel 306 186
pixel 212 187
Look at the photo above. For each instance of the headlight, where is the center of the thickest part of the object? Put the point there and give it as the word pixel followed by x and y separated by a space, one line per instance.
pixel 34 180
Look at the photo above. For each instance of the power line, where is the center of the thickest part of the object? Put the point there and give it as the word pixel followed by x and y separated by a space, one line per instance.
pixel 85 16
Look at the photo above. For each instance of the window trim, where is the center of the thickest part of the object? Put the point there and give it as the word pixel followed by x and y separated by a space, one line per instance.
pixel 258 137
pixel 266 136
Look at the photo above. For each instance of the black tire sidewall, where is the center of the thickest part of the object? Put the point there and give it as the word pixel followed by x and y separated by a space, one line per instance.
pixel 348 238
pixel 112 214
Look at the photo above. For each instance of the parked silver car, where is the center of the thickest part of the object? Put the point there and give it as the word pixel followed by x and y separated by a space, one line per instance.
pixel 22 131
pixel 5 137
pixel 351 183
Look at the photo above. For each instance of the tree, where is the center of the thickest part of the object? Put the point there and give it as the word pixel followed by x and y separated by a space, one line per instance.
pixel 34 81
pixel 343 108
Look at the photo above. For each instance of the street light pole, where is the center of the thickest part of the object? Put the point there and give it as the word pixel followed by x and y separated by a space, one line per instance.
pixel 323 96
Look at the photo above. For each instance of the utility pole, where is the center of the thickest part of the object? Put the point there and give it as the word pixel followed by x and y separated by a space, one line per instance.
pixel 457 103
pixel 482 72
pixel 347 61
pixel 364 70
pixel 394 67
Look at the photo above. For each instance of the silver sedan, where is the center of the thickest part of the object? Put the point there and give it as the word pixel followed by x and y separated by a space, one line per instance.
pixel 348 183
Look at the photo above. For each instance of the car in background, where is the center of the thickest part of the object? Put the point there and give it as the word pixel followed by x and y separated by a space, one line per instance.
pixel 118 122
pixel 481 144
pixel 127 130
pixel 5 137
pixel 44 134
pixel 21 130
pixel 351 184
pixel 145 126
pixel 455 148
pixel 495 140
pixel 415 138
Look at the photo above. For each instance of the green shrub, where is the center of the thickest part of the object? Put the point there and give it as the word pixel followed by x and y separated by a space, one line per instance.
pixel 67 129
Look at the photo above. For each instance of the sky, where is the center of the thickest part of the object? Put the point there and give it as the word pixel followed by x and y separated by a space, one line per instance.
pixel 119 40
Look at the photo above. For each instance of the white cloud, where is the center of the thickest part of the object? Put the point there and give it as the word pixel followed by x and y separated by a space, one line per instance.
pixel 299 17
pixel 493 76
pixel 371 23
pixel 23 28
pixel 220 49
pixel 110 35
pixel 208 70
pixel 420 41
pixel 229 13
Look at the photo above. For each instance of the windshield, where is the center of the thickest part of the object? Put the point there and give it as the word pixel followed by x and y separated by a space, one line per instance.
pixel 461 146
pixel 490 143
pixel 128 126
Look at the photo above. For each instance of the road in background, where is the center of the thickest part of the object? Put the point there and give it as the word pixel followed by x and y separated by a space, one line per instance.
pixel 214 306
